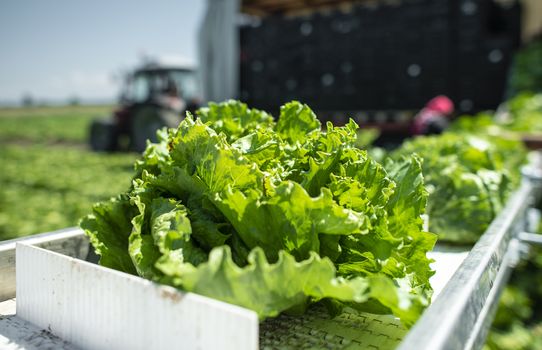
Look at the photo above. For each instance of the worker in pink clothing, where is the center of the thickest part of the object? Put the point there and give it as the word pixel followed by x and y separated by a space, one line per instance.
pixel 434 117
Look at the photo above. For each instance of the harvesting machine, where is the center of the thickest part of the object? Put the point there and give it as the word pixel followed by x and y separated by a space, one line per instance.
pixel 154 95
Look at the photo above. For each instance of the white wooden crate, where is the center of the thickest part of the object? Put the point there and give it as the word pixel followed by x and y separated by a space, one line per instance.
pixel 98 308
pixel 91 307
pixel 72 303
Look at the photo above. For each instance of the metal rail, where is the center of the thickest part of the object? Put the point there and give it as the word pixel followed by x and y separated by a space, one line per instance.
pixel 531 238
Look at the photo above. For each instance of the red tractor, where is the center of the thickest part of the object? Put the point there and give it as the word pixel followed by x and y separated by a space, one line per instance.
pixel 153 96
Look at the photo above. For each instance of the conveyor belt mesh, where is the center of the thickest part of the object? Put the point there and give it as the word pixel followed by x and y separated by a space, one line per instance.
pixel 318 330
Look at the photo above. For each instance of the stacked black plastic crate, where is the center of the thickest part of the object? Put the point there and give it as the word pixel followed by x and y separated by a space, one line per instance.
pixel 485 38
pixel 423 45
pixel 379 57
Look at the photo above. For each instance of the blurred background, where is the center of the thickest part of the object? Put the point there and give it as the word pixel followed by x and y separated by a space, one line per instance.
pixel 83 85
pixel 65 52
pixel 63 67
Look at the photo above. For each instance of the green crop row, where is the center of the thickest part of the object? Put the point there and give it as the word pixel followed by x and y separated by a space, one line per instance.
pixel 49 125
pixel 49 179
pixel 48 188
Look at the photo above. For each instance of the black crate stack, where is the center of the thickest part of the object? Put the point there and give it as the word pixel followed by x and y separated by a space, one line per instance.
pixel 381 57
pixel 485 38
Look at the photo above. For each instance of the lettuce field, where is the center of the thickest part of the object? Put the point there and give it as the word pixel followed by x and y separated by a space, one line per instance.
pixel 49 177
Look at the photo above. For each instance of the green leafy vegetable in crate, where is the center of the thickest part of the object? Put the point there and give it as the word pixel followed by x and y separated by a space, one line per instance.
pixel 468 178
pixel 272 216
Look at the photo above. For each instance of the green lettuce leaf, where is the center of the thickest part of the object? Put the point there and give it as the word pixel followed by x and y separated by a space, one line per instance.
pixel 108 228
pixel 234 119
pixel 288 220
pixel 269 288
pixel 297 122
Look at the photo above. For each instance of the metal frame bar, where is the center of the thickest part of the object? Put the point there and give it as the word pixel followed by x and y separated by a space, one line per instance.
pixel 531 238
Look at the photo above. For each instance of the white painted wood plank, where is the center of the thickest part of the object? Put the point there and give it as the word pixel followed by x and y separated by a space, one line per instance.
pixel 98 308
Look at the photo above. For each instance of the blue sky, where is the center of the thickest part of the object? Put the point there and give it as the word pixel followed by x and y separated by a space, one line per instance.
pixel 60 48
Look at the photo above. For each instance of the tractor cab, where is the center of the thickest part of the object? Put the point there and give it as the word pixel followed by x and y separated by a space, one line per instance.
pixel 153 82
pixel 153 96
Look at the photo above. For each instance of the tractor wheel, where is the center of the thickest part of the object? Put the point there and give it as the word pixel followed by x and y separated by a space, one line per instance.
pixel 103 137
pixel 146 123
